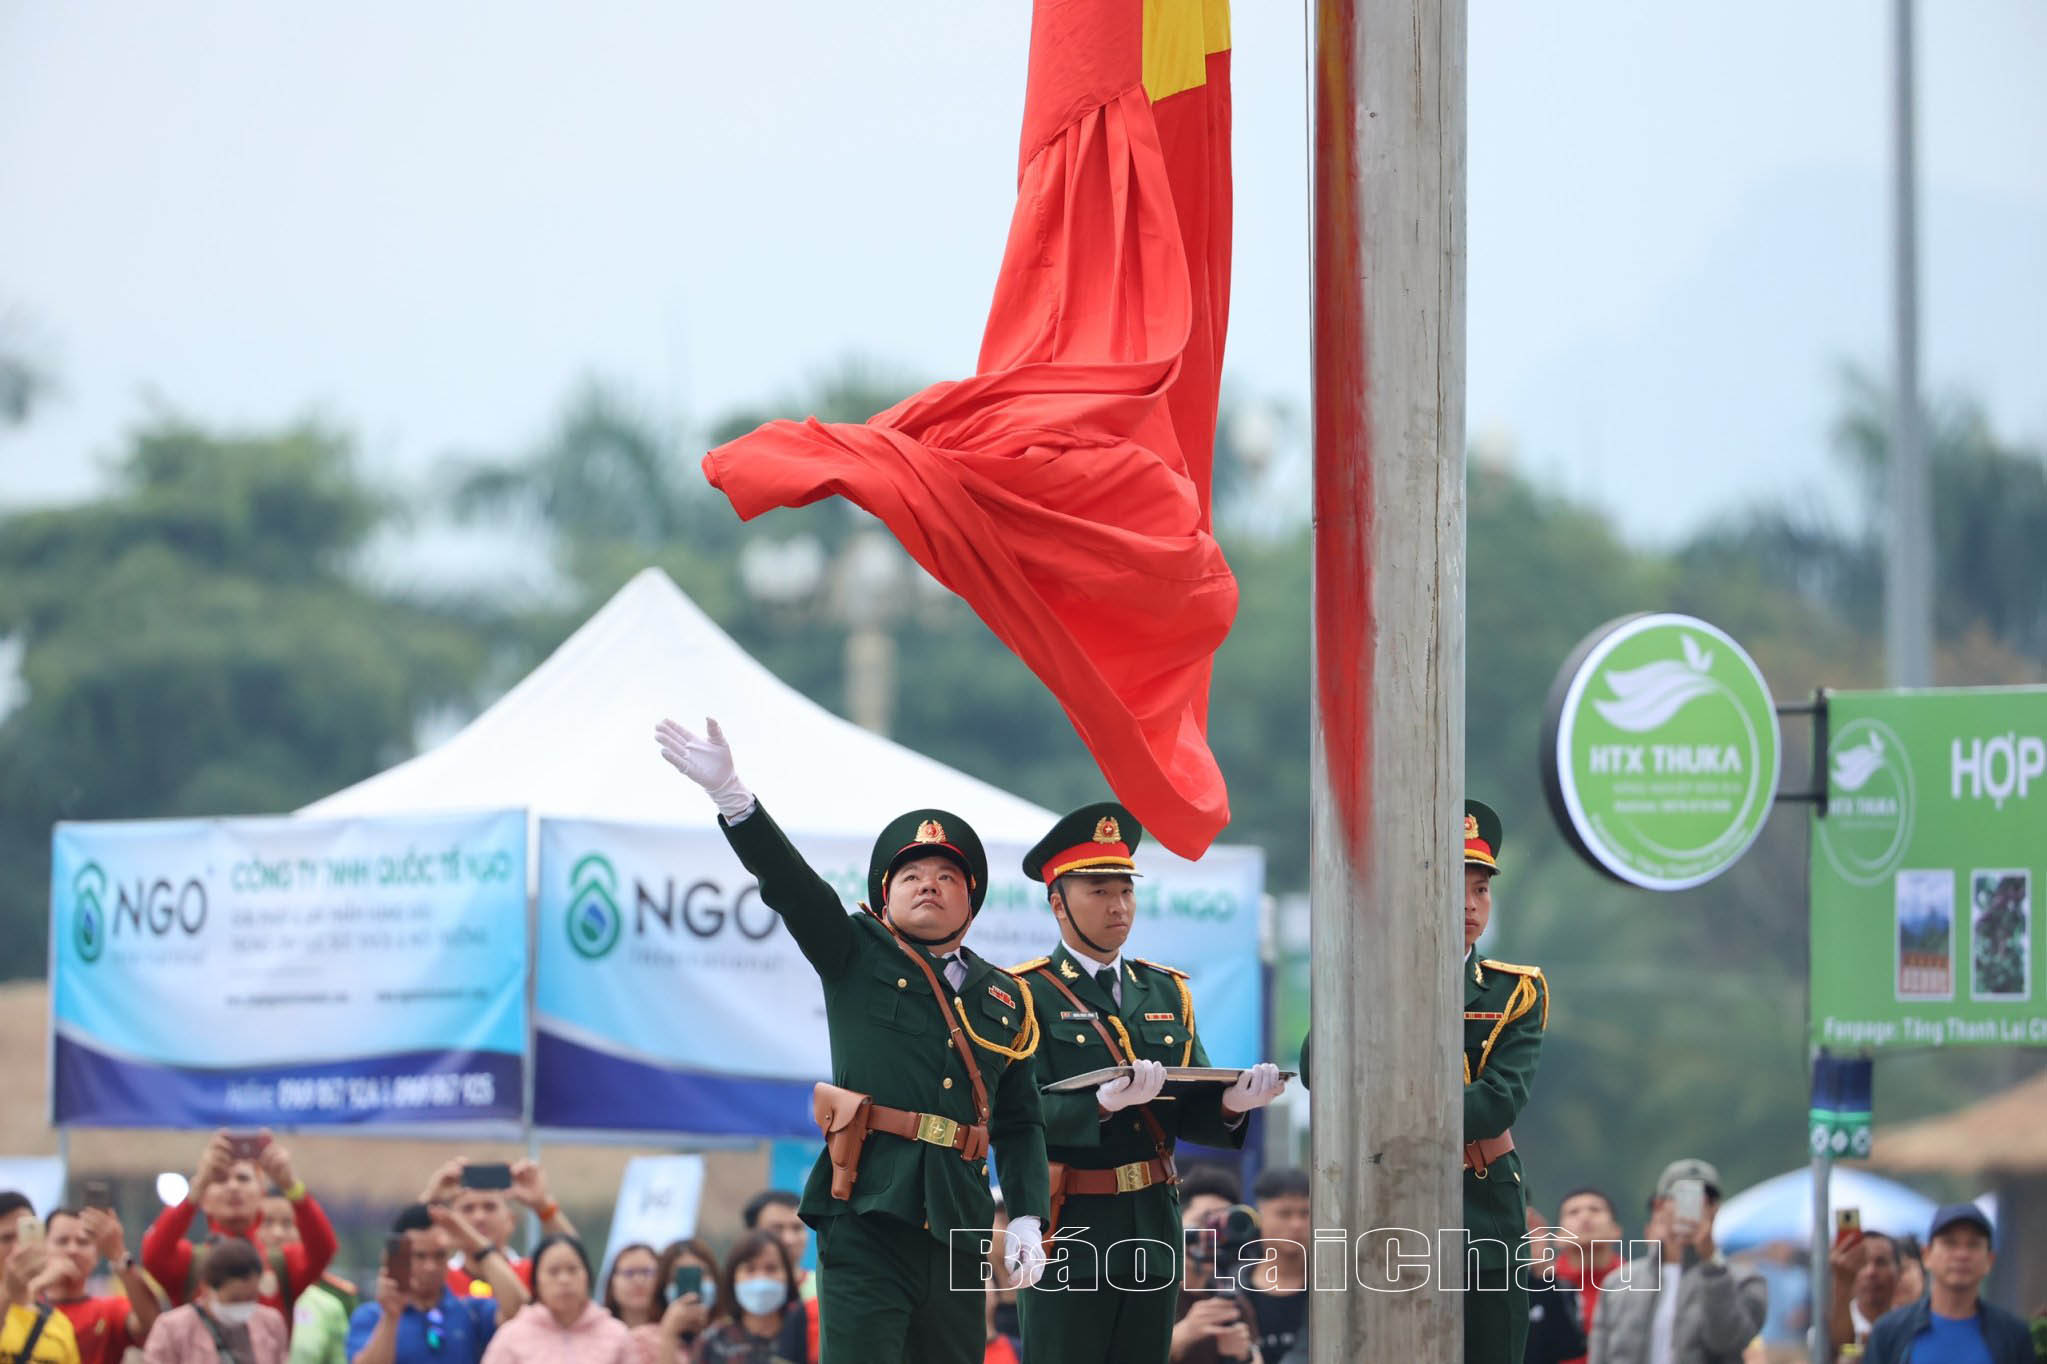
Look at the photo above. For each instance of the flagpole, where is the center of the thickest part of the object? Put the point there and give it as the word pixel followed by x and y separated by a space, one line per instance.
pixel 1387 766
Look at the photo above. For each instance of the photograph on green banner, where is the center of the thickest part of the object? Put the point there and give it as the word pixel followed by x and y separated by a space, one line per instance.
pixel 2000 932
pixel 1926 935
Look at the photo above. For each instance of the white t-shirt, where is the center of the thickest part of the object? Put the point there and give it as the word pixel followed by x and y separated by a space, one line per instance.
pixel 1665 1320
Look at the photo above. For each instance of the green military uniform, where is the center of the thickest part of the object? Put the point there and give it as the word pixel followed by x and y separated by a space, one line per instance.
pixel 1114 1306
pixel 1506 1008
pixel 891 1273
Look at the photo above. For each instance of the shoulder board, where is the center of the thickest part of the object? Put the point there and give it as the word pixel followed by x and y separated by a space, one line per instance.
pixel 1033 964
pixel 1160 966
pixel 1509 967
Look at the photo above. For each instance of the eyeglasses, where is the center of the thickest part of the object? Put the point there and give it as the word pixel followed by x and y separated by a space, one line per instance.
pixel 434 1336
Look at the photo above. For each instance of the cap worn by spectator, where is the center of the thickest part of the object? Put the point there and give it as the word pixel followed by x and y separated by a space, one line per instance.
pixel 1958 1215
pixel 1689 1168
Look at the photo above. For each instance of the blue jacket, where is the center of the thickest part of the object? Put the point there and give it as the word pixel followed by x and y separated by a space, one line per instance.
pixel 2006 1335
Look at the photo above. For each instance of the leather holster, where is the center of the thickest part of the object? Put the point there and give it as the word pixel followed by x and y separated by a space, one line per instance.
pixel 842 1116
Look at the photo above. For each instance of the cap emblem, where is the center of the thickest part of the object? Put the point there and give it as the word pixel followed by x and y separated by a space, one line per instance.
pixel 1107 830
pixel 931 831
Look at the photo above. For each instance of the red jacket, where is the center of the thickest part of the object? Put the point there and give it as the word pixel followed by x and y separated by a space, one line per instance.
pixel 167 1255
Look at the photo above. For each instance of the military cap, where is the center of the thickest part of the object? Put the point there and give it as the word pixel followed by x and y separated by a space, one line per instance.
pixel 1482 836
pixel 1095 839
pixel 922 833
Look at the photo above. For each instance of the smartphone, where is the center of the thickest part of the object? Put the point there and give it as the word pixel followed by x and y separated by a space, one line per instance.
pixel 1688 1200
pixel 398 1260
pixel 246 1145
pixel 98 1193
pixel 688 1279
pixel 28 1230
pixel 1847 1225
pixel 497 1176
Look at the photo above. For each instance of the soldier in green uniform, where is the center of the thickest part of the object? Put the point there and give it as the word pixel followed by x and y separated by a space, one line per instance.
pixel 1506 1008
pixel 1114 1187
pixel 931 1061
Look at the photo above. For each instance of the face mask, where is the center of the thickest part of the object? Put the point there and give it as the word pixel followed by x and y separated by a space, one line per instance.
pixel 761 1297
pixel 234 1313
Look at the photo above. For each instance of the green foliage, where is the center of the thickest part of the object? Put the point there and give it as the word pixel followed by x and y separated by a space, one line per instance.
pixel 195 644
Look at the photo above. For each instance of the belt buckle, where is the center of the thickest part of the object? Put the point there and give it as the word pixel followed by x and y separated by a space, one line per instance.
pixel 1134 1176
pixel 936 1130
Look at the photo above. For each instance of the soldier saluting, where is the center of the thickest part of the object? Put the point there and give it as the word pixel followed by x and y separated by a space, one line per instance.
pixel 1112 1148
pixel 931 1050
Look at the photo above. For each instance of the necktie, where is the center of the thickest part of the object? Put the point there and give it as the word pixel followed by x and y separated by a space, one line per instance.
pixel 955 970
pixel 1106 978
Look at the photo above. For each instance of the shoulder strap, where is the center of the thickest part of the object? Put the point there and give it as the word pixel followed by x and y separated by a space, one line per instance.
pixel 1120 1055
pixel 227 1354
pixel 35 1334
pixel 952 1026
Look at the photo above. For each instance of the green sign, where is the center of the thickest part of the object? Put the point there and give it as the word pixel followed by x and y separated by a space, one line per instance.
pixel 1660 750
pixel 1924 870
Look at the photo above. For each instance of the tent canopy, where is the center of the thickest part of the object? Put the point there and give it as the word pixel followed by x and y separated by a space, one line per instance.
pixel 2003 1134
pixel 576 739
pixel 1780 1209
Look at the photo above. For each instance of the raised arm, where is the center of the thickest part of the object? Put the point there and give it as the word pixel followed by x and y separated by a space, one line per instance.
pixel 809 907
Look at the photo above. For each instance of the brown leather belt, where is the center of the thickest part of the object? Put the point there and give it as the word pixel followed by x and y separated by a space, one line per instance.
pixel 1478 1155
pixel 1138 1174
pixel 969 1139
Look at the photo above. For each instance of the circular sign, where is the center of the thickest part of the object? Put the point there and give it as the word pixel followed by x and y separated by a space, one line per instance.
pixel 1659 751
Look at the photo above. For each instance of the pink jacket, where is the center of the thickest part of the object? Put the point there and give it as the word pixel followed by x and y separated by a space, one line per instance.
pixel 180 1337
pixel 535 1337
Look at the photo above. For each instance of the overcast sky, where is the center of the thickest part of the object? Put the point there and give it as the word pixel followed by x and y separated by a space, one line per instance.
pixel 429 221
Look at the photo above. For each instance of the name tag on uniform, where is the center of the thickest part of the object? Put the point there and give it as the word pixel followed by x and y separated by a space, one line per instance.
pixel 1481 1016
pixel 1077 1016
pixel 1158 1018
pixel 1007 1001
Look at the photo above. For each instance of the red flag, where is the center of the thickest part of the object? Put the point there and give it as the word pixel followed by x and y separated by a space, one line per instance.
pixel 1063 491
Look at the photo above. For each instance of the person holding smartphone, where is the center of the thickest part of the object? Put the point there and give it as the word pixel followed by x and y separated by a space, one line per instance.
pixel 487 1196
pixel 229 1187
pixel 31 1331
pixel 688 1272
pixel 106 1327
pixel 1682 1301
pixel 417 1318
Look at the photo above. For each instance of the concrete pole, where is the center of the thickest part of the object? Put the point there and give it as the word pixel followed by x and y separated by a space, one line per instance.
pixel 1908 566
pixel 1387 736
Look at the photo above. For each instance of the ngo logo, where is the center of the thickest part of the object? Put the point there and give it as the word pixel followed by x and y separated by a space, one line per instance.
pixel 594 922
pixel 1660 750
pixel 88 912
pixel 1870 802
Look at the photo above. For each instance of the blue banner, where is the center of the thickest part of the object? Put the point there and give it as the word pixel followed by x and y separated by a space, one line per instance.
pixel 250 972
pixel 668 998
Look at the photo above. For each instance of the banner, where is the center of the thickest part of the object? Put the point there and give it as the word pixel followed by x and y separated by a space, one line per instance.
pixel 658 1197
pixel 288 972
pixel 1926 870
pixel 668 998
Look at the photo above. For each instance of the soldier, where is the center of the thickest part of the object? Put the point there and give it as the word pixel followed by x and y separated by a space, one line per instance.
pixel 923 1033
pixel 1112 1176
pixel 1506 1008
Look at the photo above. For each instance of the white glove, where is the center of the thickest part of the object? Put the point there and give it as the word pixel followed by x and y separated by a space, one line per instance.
pixel 1140 1086
pixel 1024 1255
pixel 1255 1088
pixel 706 761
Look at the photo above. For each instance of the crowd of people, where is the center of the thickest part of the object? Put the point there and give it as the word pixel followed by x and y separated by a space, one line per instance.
pixel 258 1287
pixel 1672 1295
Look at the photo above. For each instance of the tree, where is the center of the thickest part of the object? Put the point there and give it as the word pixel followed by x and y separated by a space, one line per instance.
pixel 196 644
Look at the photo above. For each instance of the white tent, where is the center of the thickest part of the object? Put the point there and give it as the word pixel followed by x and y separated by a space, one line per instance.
pixel 576 739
